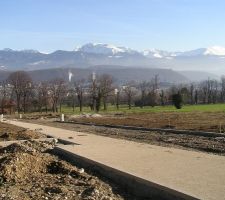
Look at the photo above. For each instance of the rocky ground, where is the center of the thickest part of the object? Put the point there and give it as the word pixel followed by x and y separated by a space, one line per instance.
pixel 189 142
pixel 29 171
pixel 10 132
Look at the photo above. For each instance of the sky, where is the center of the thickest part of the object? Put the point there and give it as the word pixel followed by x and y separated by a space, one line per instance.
pixel 49 25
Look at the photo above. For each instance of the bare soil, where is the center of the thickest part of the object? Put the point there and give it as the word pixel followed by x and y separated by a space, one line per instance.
pixel 203 121
pixel 28 171
pixel 11 132
pixel 189 142
pixel 196 120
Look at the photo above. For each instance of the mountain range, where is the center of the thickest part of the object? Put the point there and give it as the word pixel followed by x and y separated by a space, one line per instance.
pixel 121 75
pixel 205 61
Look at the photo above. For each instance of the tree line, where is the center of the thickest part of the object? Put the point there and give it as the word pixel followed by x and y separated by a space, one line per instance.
pixel 21 93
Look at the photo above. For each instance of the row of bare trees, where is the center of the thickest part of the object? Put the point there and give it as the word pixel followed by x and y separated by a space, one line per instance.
pixel 50 95
pixel 99 91
pixel 26 95
pixel 205 92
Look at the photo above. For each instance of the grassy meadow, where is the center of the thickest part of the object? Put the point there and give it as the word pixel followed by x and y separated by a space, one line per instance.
pixel 149 109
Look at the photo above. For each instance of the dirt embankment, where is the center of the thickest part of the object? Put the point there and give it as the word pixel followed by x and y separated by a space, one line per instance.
pixel 11 132
pixel 27 172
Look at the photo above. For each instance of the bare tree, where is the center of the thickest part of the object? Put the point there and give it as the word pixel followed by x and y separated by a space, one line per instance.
pixel 101 88
pixel 105 85
pixel 153 87
pixel 22 84
pixel 26 95
pixel 42 96
pixel 204 90
pixel 57 90
pixel 79 89
pixel 222 94
pixel 3 95
pixel 6 97
pixel 144 86
pixel 192 93
pixel 215 86
pixel 93 91
pixel 72 96
pixel 210 88
pixel 196 96
pixel 162 98
pixel 130 91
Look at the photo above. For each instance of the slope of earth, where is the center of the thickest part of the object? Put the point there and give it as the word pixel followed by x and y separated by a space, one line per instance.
pixel 27 171
pixel 11 132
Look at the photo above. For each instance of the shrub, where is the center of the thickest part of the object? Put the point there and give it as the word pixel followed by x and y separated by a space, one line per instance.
pixel 177 100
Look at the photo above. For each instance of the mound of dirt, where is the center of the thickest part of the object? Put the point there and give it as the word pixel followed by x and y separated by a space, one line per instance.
pixel 28 146
pixel 10 132
pixel 86 115
pixel 28 172
pixel 13 148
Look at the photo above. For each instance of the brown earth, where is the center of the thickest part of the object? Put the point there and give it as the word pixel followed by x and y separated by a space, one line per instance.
pixel 189 142
pixel 12 132
pixel 203 121
pixel 27 172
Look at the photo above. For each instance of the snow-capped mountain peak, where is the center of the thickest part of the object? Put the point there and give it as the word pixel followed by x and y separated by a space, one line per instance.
pixel 210 51
pixel 112 50
pixel 215 50
pixel 106 49
pixel 156 53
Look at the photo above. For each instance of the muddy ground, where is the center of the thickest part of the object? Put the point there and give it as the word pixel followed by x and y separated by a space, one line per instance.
pixel 11 132
pixel 189 142
pixel 29 172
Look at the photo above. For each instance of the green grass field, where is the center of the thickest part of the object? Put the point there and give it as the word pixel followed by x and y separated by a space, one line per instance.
pixel 148 109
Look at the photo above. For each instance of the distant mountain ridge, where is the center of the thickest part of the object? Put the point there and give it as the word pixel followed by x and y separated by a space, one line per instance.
pixel 120 74
pixel 211 59
pixel 109 49
pixel 210 51
pixel 106 49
